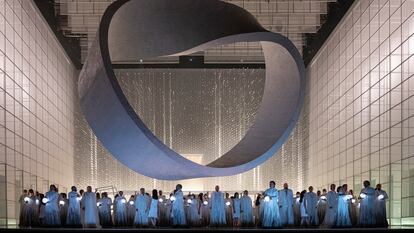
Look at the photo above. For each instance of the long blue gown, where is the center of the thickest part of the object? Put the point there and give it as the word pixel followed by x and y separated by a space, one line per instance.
pixel 367 212
pixel 74 216
pixel 218 209
pixel 120 213
pixel 142 208
pixel 311 208
pixel 271 216
pixel 246 218
pixel 178 214
pixel 286 207
pixel 331 206
pixel 51 211
pixel 342 214
pixel 380 209
pixel 105 212
pixel 91 210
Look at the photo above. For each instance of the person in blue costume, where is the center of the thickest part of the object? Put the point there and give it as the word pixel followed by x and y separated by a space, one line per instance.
pixel 311 207
pixel 120 210
pixel 380 209
pixel 271 216
pixel 246 209
pixel 342 214
pixel 286 206
pixel 142 208
pixel 91 210
pixel 367 201
pixel 218 208
pixel 105 210
pixel 51 211
pixel 73 218
pixel 331 206
pixel 236 210
pixel 177 211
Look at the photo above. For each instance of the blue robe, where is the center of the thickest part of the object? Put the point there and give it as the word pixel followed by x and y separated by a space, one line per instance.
pixel 246 218
pixel 120 213
pixel 286 207
pixel 218 209
pixel 74 216
pixel 271 216
pixel 105 212
pixel 236 208
pixel 342 214
pixel 178 214
pixel 51 211
pixel 142 208
pixel 311 208
pixel 380 209
pixel 367 212
pixel 91 210
pixel 331 206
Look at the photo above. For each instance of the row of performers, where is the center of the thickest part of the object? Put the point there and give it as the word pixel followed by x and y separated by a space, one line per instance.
pixel 271 209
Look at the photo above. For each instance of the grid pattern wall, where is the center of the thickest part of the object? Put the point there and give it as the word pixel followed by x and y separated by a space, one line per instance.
pixel 195 112
pixel 37 84
pixel 362 104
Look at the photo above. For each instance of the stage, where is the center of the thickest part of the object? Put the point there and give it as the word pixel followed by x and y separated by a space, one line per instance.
pixel 188 230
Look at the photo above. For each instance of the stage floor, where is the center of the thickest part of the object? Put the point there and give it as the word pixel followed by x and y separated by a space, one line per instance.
pixel 188 230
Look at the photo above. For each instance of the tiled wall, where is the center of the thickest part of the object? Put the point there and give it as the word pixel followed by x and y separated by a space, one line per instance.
pixel 37 84
pixel 362 104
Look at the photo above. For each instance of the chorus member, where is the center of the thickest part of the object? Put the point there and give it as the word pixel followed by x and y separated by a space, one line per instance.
pixel 63 208
pixel 205 211
pixel 178 215
pixel 91 212
pixel 286 206
pixel 229 209
pixel 42 210
pixel 304 220
pixel 51 211
pixel 271 216
pixel 130 211
pixel 73 218
pixel 380 209
pixel 296 209
pixel 22 204
pixel 153 209
pixel 120 203
pixel 218 208
pixel 194 211
pixel 29 210
pixel 367 200
pixel 353 208
pixel 141 209
pixel 331 207
pixel 162 207
pixel 236 210
pixel 342 214
pixel 246 209
pixel 322 206
pixel 105 210
pixel 169 208
pixel 257 210
pixel 82 210
pixel 311 205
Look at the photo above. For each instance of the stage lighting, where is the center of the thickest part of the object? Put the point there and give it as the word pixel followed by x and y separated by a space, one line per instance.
pixel 205 202
pixel 160 200
pixel 172 198
pixel 131 202
pixel 362 195
pixel 45 200
pixel 380 197
pixel 267 199
pixel 26 199
pixel 61 202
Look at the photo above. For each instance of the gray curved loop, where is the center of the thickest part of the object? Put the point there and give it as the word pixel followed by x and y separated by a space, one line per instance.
pixel 139 29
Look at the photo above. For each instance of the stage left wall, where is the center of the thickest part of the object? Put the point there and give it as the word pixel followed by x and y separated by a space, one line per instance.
pixel 37 96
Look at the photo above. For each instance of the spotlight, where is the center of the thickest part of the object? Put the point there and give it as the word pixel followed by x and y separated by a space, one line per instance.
pixel 362 195
pixel 323 198
pixel 160 200
pixel 228 203
pixel 172 198
pixel 380 197
pixel 79 198
pixel 61 202
pixel 99 204
pixel 189 201
pixel 353 201
pixel 131 202
pixel 26 199
pixel 267 199
pixel 45 200
pixel 205 202
pixel 123 201
pixel 37 201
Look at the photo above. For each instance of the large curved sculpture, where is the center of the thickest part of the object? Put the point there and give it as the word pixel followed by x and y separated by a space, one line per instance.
pixel 140 29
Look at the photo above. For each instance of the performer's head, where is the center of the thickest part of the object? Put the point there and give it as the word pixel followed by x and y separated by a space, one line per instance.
pixel 142 191
pixel 367 183
pixel 245 193
pixel 378 187
pixel 345 187
pixel 310 188
pixel 178 187
pixel 272 184
pixel 52 187
pixel 333 186
pixel 217 188
pixel 285 186
pixel 89 189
